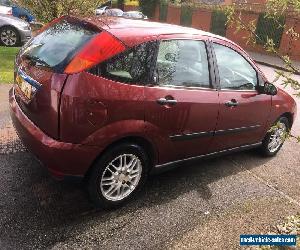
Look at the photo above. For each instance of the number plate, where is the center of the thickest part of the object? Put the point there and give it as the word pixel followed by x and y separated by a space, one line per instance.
pixel 25 87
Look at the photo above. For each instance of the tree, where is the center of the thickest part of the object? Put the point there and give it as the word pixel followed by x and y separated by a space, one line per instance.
pixel 275 10
pixel 46 10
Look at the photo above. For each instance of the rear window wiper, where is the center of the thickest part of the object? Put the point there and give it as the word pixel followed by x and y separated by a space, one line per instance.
pixel 38 60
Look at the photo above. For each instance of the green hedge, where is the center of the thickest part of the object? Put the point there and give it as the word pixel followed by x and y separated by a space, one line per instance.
pixel 163 12
pixel 218 23
pixel 269 28
pixel 186 15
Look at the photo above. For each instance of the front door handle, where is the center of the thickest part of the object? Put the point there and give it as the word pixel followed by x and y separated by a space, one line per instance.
pixel 232 103
pixel 164 101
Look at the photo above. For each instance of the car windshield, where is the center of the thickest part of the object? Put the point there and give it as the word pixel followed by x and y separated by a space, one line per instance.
pixel 57 45
pixel 6 2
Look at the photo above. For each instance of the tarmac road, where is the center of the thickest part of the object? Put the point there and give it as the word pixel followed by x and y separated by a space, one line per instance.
pixel 204 205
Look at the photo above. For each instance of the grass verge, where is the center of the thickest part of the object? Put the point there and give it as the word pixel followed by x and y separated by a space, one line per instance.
pixel 7 57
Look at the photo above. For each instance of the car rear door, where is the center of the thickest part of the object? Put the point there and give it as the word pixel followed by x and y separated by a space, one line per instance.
pixel 182 107
pixel 243 111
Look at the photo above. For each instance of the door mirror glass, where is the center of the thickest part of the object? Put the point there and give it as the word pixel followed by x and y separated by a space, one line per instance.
pixel 267 88
pixel 270 89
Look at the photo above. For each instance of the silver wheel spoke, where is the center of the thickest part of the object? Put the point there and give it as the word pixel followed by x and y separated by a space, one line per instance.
pixel 132 164
pixel 120 177
pixel 277 137
pixel 8 37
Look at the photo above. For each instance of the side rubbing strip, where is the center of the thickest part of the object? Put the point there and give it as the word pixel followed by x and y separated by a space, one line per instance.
pixel 236 130
pixel 191 136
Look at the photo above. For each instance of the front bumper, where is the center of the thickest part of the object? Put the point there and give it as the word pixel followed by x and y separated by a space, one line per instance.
pixel 62 159
pixel 25 35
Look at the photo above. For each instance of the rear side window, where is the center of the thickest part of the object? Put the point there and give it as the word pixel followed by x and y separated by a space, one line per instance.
pixel 132 66
pixel 57 45
pixel 183 63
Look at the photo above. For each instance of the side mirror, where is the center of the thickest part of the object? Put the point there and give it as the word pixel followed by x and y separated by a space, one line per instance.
pixel 171 57
pixel 268 89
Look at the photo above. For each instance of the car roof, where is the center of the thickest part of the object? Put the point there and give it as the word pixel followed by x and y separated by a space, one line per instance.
pixel 133 11
pixel 135 31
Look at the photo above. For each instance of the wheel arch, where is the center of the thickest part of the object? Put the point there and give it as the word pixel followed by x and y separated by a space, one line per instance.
pixel 9 26
pixel 146 144
pixel 289 116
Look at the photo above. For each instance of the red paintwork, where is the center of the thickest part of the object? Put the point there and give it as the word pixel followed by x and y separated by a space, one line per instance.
pixel 43 109
pixel 73 118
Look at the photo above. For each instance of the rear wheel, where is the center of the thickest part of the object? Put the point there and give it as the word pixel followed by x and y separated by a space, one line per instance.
pixel 9 36
pixel 118 175
pixel 275 138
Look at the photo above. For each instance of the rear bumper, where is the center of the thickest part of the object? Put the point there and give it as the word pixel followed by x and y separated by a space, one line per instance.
pixel 62 159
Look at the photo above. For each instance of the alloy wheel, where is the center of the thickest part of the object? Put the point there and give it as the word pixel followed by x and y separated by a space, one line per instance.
pixel 277 137
pixel 120 177
pixel 8 37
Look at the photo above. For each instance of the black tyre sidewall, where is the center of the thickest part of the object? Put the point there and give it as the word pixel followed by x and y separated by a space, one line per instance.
pixel 264 148
pixel 17 34
pixel 95 175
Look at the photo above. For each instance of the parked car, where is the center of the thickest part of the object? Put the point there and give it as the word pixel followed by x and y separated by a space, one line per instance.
pixel 101 10
pixel 113 12
pixel 104 6
pixel 13 31
pixel 134 15
pixel 18 11
pixel 112 100
pixel 5 10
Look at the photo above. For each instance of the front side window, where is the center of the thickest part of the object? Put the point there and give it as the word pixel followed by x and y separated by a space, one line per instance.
pixel 132 66
pixel 182 63
pixel 235 71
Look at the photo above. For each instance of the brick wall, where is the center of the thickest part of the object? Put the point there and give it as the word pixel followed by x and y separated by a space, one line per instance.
pixel 201 19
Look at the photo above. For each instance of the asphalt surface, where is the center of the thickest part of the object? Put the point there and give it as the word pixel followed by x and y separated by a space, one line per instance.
pixel 204 205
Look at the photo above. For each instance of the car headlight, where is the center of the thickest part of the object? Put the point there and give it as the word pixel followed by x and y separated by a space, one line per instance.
pixel 23 26
pixel 26 27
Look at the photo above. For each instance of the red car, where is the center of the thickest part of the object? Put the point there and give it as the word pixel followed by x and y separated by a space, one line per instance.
pixel 112 100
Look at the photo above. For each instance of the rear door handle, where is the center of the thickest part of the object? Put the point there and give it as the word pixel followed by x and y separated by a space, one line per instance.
pixel 232 103
pixel 164 101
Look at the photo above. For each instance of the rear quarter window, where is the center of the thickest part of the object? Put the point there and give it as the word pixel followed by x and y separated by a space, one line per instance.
pixel 132 66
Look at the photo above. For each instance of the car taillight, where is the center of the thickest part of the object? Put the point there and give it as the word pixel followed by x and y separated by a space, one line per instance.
pixel 99 49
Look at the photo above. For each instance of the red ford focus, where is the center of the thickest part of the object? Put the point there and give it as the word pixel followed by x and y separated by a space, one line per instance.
pixel 112 100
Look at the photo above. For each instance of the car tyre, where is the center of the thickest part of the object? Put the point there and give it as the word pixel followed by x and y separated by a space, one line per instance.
pixel 118 175
pixel 275 137
pixel 9 36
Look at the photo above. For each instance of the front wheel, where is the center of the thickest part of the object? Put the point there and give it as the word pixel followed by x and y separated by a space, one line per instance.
pixel 9 36
pixel 275 137
pixel 118 175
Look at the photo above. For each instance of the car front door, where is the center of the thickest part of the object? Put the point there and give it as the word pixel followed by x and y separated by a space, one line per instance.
pixel 183 104
pixel 243 111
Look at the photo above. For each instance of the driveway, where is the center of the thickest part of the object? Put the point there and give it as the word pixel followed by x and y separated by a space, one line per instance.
pixel 204 205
